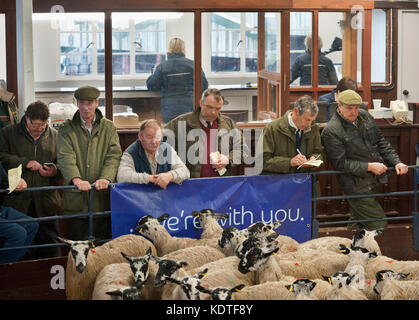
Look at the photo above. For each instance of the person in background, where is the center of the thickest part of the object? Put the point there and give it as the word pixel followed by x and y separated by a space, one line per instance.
pixel 344 84
pixel 32 143
pixel 200 130
pixel 301 68
pixel 8 108
pixel 148 160
pixel 293 139
pixel 88 154
pixel 354 145
pixel 174 78
pixel 14 234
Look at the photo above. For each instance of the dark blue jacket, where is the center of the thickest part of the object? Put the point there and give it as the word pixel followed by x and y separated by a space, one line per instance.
pixel 302 68
pixel 141 162
pixel 174 78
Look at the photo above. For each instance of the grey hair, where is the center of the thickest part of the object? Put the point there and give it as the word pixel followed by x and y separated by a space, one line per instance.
pixel 306 103
pixel 149 122
pixel 212 91
pixel 308 42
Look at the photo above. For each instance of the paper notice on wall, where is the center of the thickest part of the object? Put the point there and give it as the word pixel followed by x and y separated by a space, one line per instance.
pixel 14 177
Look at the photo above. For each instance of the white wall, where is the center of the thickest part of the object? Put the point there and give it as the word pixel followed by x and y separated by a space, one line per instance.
pixel 2 47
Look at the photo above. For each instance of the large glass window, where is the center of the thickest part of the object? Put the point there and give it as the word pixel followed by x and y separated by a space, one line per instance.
pixel 233 42
pixel 379 46
pixel 273 41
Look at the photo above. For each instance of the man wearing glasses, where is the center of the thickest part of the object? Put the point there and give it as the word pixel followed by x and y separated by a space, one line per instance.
pixel 32 144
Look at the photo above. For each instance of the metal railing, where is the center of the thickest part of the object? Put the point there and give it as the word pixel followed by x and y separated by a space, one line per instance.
pixel 415 215
pixel 315 222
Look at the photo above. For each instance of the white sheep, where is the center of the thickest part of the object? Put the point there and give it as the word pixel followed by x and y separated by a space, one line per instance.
pixel 113 277
pixel 358 260
pixel 325 243
pixel 221 293
pixel 341 288
pixel 366 239
pixel 302 289
pixel 389 286
pixel 384 263
pixel 208 220
pixel 79 286
pixel 187 286
pixel 271 290
pixel 221 273
pixel 230 239
pixel 163 241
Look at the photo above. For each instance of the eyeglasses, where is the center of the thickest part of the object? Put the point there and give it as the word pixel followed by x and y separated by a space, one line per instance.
pixel 38 125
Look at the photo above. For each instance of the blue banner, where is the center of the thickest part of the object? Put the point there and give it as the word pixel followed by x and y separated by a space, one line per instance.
pixel 247 199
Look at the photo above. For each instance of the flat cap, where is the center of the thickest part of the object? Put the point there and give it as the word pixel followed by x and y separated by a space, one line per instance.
pixel 87 93
pixel 350 98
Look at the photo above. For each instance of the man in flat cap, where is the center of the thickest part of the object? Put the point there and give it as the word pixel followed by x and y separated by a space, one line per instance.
pixel 354 144
pixel 88 153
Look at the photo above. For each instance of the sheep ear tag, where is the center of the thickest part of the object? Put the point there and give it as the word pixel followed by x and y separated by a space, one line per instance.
pixel 141 229
pixel 237 290
pixel 290 289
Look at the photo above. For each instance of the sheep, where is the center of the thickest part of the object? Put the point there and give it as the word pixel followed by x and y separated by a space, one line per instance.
pixel 163 241
pixel 113 277
pixel 208 222
pixel 389 286
pixel 79 286
pixel 359 258
pixel 302 288
pixel 366 239
pixel 139 267
pixel 271 290
pixel 187 286
pixel 221 273
pixel 221 293
pixel 384 262
pixel 230 239
pixel 326 243
pixel 341 288
pixel 128 293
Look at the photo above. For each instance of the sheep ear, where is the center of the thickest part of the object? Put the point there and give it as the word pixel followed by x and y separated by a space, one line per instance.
pixel 328 279
pixel 126 256
pixel 202 289
pixel 163 217
pixel 237 288
pixel 289 287
pixel 155 259
pixel 203 273
pixel 195 214
pixel 183 264
pixel 116 293
pixel 221 216
pixel 402 275
pixel 312 285
pixel 149 251
pixel 372 255
pixel 343 249
pixel 67 241
pixel 276 224
pixel 92 243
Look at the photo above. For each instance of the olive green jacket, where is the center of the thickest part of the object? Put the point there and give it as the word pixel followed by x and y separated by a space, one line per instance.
pixel 350 148
pixel 17 147
pixel 8 109
pixel 89 157
pixel 279 146
pixel 179 131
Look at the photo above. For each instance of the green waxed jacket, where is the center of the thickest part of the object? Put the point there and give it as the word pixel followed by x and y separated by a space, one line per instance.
pixel 88 157
pixel 279 146
pixel 350 148
pixel 17 147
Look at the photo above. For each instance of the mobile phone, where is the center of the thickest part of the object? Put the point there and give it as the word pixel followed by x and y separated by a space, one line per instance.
pixel 49 164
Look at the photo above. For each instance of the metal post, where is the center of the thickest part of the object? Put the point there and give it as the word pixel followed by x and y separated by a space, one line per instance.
pixel 415 212
pixel 90 212
pixel 314 221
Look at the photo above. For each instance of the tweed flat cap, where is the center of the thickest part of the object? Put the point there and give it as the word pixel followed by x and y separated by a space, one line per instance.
pixel 350 98
pixel 87 93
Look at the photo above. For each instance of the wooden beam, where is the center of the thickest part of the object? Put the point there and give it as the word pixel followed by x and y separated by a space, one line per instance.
pixel 108 66
pixel 197 58
pixel 11 54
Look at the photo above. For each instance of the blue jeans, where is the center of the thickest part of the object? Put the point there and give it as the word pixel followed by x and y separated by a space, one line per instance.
pixel 15 234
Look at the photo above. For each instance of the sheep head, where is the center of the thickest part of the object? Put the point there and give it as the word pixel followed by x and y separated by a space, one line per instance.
pixel 139 266
pixel 148 224
pixel 129 293
pixel 79 252
pixel 256 257
pixel 189 284
pixel 167 269
pixel 221 293
pixel 304 286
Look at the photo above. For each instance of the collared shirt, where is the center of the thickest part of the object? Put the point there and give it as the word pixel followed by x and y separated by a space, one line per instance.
pixel 88 128
pixel 292 124
pixel 203 121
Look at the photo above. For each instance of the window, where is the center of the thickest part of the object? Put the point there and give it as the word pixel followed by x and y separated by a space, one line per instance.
pixel 233 42
pixel 379 48
pixel 273 41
